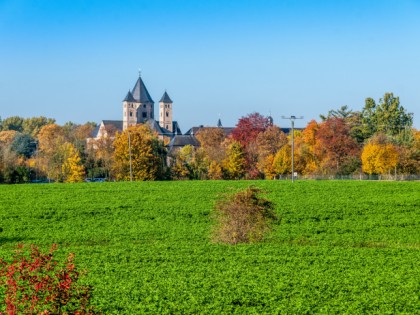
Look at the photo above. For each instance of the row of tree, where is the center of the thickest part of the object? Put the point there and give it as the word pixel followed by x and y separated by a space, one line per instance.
pixel 379 139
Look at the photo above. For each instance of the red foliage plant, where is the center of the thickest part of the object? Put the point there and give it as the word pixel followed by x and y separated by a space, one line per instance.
pixel 35 283
pixel 249 127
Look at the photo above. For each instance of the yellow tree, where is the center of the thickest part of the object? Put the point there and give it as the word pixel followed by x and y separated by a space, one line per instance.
pixel 215 171
pixel 269 169
pixel 72 169
pixel 182 166
pixel 379 158
pixel 282 162
pixel 51 151
pixel 235 162
pixel 268 143
pixel 146 151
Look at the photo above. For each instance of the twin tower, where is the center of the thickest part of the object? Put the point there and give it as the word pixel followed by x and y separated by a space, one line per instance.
pixel 138 107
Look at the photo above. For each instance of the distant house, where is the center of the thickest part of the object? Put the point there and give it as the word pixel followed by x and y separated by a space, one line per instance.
pixel 180 141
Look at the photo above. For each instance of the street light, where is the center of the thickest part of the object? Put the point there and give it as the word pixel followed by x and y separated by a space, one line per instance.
pixel 292 119
pixel 129 153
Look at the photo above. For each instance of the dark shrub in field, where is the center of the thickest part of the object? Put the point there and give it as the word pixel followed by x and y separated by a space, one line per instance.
pixel 35 283
pixel 243 217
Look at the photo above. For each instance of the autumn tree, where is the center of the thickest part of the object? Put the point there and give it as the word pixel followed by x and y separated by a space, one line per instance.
pixel 234 163
pixel 379 158
pixel 282 162
pixel 182 166
pixel 51 156
pixel 72 168
pixel 246 132
pixel 336 150
pixel 215 171
pixel 211 140
pixel 268 143
pixel 305 156
pixel 100 154
pixel 249 127
pixel 146 151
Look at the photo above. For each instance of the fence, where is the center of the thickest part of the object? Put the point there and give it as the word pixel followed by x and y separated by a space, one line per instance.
pixel 387 177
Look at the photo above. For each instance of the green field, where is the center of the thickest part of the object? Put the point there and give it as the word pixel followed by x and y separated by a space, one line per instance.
pixel 341 247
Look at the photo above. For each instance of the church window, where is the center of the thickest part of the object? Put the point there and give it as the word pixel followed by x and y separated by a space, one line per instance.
pixel 167 127
pixel 131 114
pixel 144 106
pixel 144 114
pixel 167 114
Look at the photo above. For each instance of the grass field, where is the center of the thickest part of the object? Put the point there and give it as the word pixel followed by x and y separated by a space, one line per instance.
pixel 341 247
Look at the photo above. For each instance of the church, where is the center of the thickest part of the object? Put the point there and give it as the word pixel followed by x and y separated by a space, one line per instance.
pixel 138 107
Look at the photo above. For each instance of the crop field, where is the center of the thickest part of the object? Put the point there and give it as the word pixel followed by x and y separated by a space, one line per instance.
pixel 340 247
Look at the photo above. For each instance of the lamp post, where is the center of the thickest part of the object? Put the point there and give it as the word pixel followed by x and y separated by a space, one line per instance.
pixel 292 119
pixel 129 153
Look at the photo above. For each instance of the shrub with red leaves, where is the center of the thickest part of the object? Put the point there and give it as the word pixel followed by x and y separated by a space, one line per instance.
pixel 36 283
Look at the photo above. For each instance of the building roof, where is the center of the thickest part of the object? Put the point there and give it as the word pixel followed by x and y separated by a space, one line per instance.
pixel 219 123
pixel 180 141
pixel 129 97
pixel 195 130
pixel 165 98
pixel 154 125
pixel 117 124
pixel 140 92
pixel 110 125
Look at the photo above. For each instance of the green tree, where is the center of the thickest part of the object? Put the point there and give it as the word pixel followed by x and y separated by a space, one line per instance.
pixel 33 126
pixel 343 112
pixel 24 145
pixel 13 123
pixel 387 116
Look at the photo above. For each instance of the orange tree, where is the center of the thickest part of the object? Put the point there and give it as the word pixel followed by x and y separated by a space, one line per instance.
pixel 379 158
pixel 147 154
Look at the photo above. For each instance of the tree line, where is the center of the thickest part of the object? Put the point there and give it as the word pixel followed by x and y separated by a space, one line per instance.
pixel 379 139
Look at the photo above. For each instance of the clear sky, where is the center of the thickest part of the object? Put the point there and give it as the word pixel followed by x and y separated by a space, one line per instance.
pixel 75 60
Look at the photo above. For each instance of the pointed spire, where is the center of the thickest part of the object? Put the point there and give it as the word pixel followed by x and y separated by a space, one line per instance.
pixel 219 123
pixel 165 98
pixel 129 97
pixel 140 92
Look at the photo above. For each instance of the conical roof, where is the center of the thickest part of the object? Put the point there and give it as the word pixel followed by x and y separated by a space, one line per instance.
pixel 219 123
pixel 129 97
pixel 165 98
pixel 140 92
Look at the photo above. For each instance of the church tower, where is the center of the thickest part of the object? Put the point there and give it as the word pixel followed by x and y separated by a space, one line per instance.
pixel 165 112
pixel 138 106
pixel 129 111
pixel 145 106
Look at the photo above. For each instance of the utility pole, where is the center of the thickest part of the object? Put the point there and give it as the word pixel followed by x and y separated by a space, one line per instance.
pixel 129 154
pixel 292 119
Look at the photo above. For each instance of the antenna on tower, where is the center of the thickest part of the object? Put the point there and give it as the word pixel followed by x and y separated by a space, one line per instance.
pixel 139 72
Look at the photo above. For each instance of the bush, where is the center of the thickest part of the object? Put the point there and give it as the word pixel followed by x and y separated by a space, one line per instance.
pixel 35 283
pixel 243 217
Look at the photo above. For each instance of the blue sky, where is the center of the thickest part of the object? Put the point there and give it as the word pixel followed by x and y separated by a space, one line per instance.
pixel 75 60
